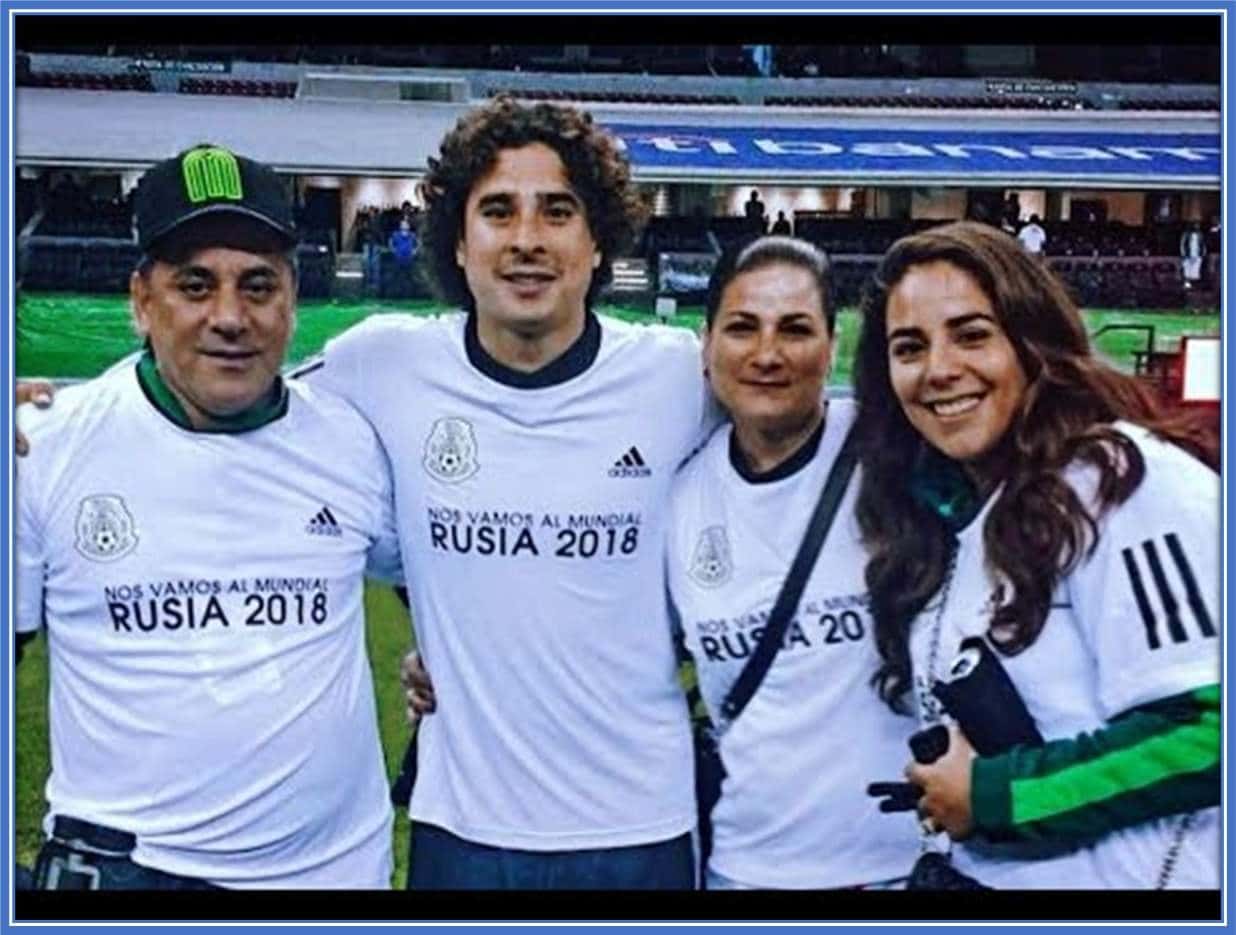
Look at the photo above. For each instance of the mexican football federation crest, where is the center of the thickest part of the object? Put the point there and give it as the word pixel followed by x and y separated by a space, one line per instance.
pixel 104 528
pixel 711 564
pixel 450 451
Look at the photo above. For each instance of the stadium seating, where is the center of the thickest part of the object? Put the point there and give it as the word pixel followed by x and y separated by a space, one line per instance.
pixel 675 235
pixel 106 265
pixel 613 97
pixel 399 280
pixel 316 271
pixel 1173 104
pixel 132 81
pixel 50 265
pixel 990 102
pixel 69 212
pixel 237 87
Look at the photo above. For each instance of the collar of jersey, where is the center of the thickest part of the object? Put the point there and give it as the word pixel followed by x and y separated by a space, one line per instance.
pixel 274 406
pixel 942 486
pixel 791 465
pixel 569 364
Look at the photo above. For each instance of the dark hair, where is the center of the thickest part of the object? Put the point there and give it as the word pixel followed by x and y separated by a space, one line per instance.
pixel 765 251
pixel 597 170
pixel 1038 529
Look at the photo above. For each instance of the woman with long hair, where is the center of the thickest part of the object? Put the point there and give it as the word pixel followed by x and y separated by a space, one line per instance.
pixel 1020 494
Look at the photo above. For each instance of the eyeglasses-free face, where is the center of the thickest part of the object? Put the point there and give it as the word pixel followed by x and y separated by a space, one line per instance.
pixel 952 366
pixel 769 351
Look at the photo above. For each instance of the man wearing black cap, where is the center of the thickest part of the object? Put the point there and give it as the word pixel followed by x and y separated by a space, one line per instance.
pixel 194 532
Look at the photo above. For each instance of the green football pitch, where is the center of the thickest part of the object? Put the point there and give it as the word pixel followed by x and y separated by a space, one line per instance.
pixel 67 336
pixel 78 336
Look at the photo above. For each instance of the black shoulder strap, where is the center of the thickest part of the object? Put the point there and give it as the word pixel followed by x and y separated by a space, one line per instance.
pixel 757 666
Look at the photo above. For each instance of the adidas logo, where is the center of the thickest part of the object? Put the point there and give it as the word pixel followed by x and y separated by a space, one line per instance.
pixel 630 464
pixel 324 524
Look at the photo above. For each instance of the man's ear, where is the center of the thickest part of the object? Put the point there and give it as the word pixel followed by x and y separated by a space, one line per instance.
pixel 459 253
pixel 139 301
pixel 596 258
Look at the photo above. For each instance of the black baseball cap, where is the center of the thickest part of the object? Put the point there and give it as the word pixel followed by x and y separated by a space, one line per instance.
pixel 209 180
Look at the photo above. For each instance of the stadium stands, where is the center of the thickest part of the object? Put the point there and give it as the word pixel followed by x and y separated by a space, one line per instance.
pixel 1173 104
pixel 233 86
pixel 991 102
pixel 316 271
pixel 792 76
pixel 613 97
pixel 60 264
pixel 1109 265
pixel 69 211
pixel 1104 262
pixel 87 81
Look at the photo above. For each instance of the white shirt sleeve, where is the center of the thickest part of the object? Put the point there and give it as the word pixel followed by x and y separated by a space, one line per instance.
pixel 29 562
pixel 337 367
pixel 383 561
pixel 1148 599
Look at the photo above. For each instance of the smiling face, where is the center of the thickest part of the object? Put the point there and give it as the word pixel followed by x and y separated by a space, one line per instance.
pixel 952 367
pixel 768 350
pixel 219 323
pixel 526 250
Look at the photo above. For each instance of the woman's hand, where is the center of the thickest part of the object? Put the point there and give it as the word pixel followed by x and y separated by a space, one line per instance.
pixel 945 805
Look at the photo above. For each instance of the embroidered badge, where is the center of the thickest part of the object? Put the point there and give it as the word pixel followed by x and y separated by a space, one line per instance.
pixel 450 451
pixel 711 564
pixel 105 528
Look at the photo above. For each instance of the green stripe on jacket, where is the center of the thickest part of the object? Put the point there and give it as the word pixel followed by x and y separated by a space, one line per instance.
pixel 1158 759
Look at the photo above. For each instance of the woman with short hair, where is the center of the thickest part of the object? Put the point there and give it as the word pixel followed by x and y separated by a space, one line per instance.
pixel 793 813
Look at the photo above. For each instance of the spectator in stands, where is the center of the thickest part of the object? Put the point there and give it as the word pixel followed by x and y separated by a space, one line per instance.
pixel 781 226
pixel 390 219
pixel 1192 250
pixel 1033 238
pixel 403 243
pixel 1018 491
pixel 367 234
pixel 1214 248
pixel 754 210
pixel 357 233
pixel 1011 213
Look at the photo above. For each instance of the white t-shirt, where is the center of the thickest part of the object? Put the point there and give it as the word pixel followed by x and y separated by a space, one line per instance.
pixel 794 813
pixel 210 691
pixel 532 523
pixel 1032 238
pixel 1096 657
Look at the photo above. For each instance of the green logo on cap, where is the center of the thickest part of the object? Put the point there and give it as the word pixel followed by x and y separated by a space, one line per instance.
pixel 211 173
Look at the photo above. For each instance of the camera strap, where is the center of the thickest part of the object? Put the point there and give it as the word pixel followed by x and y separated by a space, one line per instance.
pixel 760 660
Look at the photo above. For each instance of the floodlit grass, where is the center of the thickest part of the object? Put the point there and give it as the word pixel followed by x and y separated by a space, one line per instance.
pixel 76 336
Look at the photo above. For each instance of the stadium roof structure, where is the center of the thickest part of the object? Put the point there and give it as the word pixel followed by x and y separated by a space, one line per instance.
pixel 697 144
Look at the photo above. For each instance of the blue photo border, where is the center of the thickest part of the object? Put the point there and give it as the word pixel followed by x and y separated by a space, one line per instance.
pixel 12 8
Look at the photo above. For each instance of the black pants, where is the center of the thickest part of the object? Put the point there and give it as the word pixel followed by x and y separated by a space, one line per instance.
pixel 85 856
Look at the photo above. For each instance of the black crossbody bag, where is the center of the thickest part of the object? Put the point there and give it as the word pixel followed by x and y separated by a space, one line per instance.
pixel 709 770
